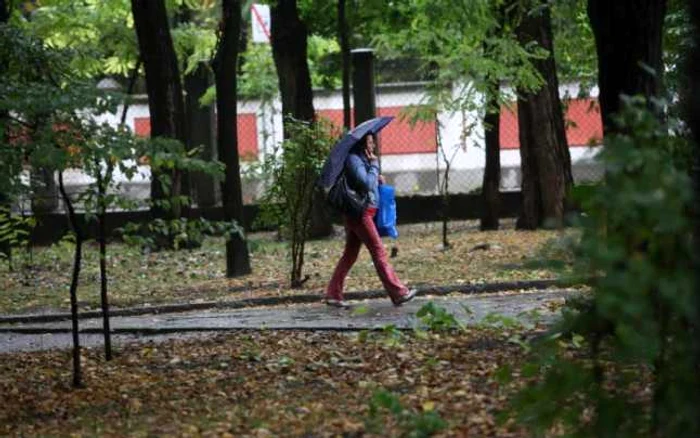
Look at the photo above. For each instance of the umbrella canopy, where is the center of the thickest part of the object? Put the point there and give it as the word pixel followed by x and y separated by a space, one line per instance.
pixel 336 160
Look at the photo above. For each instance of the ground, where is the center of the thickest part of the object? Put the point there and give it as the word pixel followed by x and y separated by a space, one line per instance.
pixel 137 279
pixel 267 383
pixel 430 367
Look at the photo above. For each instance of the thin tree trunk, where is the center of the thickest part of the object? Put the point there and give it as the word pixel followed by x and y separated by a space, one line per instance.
pixel 102 239
pixel 545 159
pixel 492 171
pixel 694 119
pixel 165 102
pixel 445 206
pixel 130 90
pixel 5 247
pixel 237 258
pixel 243 40
pixel 345 53
pixel 628 36
pixel 77 260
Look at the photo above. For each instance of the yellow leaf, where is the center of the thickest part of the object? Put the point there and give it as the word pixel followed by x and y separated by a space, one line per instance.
pixel 428 406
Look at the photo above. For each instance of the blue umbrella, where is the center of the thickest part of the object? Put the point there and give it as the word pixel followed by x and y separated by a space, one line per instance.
pixel 336 160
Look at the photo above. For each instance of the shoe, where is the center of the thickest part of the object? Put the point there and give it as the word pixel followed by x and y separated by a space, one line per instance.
pixel 332 302
pixel 405 298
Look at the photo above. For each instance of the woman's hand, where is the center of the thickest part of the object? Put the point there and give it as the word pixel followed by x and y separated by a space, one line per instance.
pixel 381 179
pixel 369 154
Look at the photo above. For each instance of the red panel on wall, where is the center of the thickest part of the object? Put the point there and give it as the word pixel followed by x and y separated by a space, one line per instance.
pixel 247 134
pixel 334 116
pixel 584 125
pixel 508 127
pixel 142 126
pixel 248 137
pixel 399 137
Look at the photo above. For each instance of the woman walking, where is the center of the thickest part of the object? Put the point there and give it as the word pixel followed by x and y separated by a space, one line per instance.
pixel 362 172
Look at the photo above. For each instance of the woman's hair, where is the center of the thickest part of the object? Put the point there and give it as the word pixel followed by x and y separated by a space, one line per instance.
pixel 360 145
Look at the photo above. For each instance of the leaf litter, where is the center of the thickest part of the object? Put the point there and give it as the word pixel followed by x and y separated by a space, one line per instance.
pixel 198 275
pixel 267 383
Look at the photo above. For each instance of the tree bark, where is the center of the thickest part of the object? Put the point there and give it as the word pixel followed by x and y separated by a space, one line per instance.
pixel 201 120
pixel 545 159
pixel 5 247
pixel 628 36
pixel 289 35
pixel 492 172
pixel 346 65
pixel 694 121
pixel 4 12
pixel 102 239
pixel 225 61
pixel 77 261
pixel 165 102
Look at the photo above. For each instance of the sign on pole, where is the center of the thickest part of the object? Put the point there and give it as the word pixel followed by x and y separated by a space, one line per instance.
pixel 260 20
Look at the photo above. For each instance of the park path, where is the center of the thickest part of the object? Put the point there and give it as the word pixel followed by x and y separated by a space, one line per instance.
pixel 366 314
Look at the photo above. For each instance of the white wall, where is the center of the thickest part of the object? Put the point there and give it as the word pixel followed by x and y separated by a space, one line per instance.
pixel 469 157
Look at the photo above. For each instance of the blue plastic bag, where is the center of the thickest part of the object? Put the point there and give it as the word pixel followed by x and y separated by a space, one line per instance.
pixel 385 219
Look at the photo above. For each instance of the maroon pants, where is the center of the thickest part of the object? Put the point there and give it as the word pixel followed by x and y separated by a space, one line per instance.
pixel 358 231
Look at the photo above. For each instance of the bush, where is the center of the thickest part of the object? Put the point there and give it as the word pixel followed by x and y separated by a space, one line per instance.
pixel 292 172
pixel 637 327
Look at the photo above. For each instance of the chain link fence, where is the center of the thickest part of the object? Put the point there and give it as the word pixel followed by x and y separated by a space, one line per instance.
pixel 413 156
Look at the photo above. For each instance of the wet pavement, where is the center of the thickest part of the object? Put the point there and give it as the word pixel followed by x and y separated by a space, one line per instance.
pixel 367 314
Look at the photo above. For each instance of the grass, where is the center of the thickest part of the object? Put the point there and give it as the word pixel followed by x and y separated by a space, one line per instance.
pixel 198 275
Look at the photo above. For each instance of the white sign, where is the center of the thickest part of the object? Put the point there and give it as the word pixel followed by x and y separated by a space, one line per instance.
pixel 260 20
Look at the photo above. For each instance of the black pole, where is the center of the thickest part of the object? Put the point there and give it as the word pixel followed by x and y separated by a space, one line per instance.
pixel 345 51
pixel 363 90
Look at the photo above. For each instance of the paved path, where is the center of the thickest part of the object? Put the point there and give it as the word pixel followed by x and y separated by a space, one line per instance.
pixel 368 314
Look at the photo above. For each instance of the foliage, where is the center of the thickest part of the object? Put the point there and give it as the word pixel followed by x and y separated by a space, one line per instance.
pixel 14 233
pixel 292 173
pixel 636 241
pixel 258 80
pixel 574 45
pixel 102 30
pixel 463 44
pixel 179 233
pixel 411 423
pixel 437 318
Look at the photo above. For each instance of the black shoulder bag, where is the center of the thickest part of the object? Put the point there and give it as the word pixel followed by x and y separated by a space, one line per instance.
pixel 345 199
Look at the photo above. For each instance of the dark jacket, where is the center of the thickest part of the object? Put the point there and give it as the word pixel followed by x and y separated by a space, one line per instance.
pixel 363 176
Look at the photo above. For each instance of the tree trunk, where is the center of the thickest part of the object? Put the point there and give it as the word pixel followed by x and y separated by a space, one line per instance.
pixel 628 36
pixel 289 36
pixel 243 39
pixel 165 103
pixel 492 171
pixel 44 198
pixel 102 239
pixel 5 247
pixel 237 258
pixel 77 260
pixel 4 12
pixel 201 121
pixel 694 121
pixel 545 159
pixel 345 53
